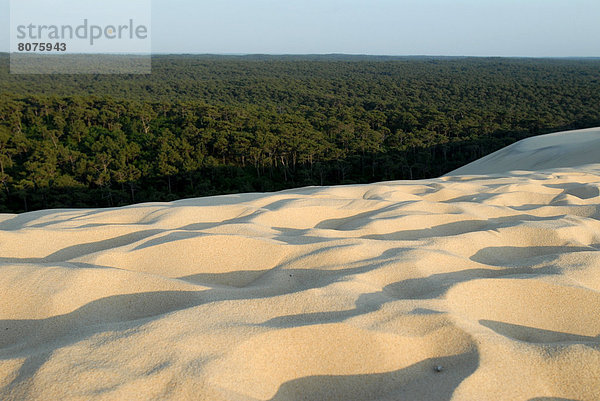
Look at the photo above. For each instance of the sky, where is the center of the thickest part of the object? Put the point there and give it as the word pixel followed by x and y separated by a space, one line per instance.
pixel 521 28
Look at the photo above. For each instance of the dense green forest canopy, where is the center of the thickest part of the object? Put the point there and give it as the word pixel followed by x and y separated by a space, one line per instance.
pixel 207 125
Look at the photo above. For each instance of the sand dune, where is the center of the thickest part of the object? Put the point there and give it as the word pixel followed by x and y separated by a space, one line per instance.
pixel 562 149
pixel 466 287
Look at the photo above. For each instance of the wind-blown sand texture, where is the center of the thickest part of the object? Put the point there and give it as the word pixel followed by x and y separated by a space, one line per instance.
pixel 344 293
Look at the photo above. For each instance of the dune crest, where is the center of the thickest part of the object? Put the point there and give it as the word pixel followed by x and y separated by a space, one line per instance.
pixel 561 149
pixel 458 288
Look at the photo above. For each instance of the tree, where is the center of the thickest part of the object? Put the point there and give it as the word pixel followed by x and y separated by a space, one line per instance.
pixel 168 156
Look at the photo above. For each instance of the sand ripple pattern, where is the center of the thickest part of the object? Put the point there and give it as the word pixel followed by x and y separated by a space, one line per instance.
pixel 346 293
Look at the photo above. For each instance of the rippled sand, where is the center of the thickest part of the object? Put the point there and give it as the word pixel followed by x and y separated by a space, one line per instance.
pixel 458 288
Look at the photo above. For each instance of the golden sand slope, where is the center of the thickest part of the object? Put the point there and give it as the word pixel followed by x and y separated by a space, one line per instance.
pixel 562 149
pixel 347 293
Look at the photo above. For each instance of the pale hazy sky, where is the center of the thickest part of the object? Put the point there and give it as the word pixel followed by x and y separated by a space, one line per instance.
pixel 536 28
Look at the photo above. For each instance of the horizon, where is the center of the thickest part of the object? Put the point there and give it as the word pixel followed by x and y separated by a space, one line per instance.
pixel 430 28
pixel 358 55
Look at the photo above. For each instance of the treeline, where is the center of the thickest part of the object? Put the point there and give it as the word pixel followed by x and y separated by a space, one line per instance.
pixel 204 125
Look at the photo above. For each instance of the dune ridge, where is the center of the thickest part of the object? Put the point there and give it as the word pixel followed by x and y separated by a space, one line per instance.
pixel 464 287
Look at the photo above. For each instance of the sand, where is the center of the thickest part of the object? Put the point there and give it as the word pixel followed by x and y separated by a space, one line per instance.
pixel 562 149
pixel 465 287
